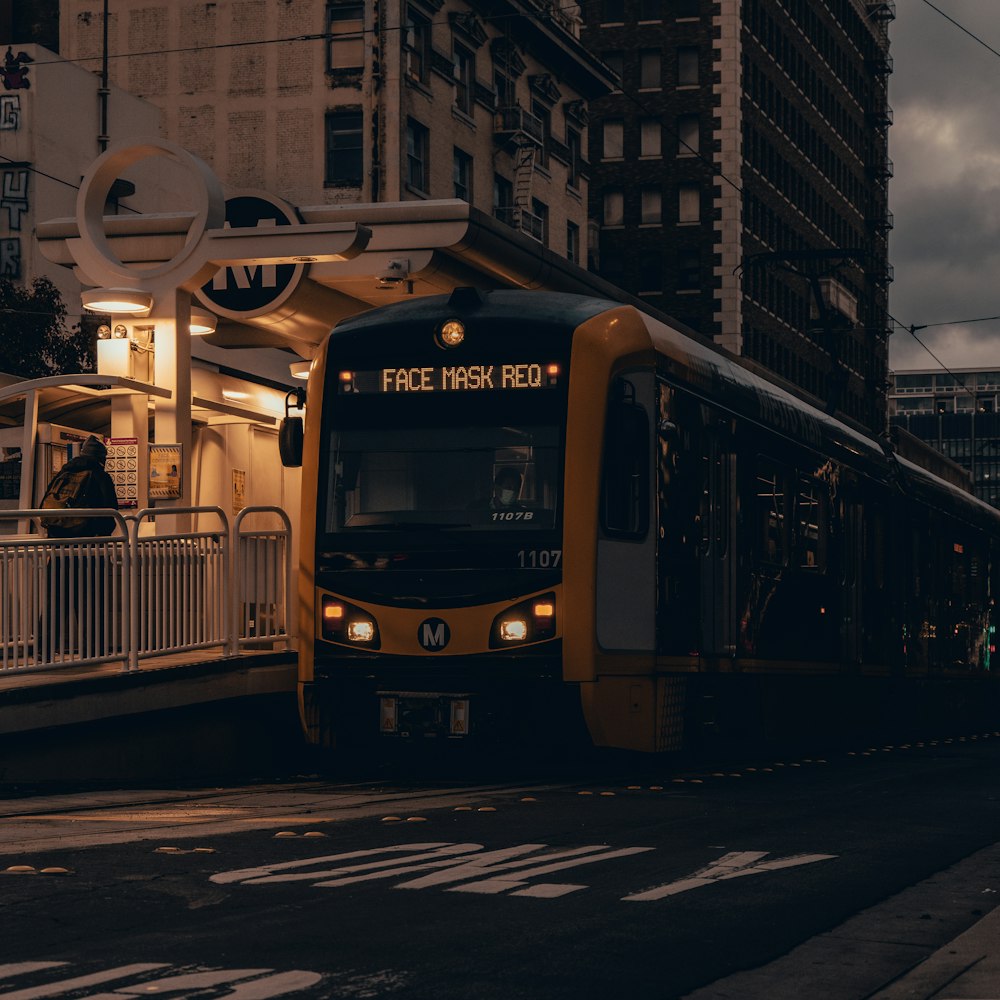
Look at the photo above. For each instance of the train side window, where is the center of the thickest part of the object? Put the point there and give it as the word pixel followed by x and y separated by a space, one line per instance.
pixel 772 512
pixel 811 523
pixel 625 486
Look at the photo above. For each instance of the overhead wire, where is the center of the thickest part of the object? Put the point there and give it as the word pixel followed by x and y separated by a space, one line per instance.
pixel 912 328
pixel 961 27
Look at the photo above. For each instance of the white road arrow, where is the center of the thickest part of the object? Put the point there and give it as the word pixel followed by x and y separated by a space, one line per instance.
pixel 732 865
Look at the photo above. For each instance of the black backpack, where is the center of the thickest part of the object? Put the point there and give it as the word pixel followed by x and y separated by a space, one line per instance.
pixel 68 489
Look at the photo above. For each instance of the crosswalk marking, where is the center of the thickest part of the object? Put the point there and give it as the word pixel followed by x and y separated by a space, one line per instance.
pixel 514 871
pixel 65 985
pixel 245 984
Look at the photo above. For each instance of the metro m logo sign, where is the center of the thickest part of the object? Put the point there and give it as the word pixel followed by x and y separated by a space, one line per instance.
pixel 241 291
pixel 433 634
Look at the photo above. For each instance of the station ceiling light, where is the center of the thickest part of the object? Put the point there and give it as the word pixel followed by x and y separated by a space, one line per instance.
pixel 114 301
pixel 202 323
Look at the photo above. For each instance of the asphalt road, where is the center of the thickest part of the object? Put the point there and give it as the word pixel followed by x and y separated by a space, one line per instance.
pixel 645 882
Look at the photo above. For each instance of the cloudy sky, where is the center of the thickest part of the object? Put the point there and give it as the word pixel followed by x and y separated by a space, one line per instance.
pixel 945 195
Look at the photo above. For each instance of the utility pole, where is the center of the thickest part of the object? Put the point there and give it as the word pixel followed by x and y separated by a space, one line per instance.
pixel 103 92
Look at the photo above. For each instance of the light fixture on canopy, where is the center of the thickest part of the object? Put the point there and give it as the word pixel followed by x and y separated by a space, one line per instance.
pixel 117 301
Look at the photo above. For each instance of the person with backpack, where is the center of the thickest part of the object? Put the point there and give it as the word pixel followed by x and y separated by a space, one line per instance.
pixel 75 583
pixel 81 482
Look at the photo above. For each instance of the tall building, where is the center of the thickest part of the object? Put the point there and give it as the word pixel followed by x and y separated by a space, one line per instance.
pixel 340 102
pixel 739 180
pixel 49 121
pixel 957 413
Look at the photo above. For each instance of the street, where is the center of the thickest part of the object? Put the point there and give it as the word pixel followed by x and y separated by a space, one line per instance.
pixel 655 883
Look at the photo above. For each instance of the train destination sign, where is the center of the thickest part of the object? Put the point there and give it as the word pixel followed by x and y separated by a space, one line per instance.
pixel 451 378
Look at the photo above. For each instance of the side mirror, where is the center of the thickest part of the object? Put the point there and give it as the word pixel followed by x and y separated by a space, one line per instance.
pixel 291 431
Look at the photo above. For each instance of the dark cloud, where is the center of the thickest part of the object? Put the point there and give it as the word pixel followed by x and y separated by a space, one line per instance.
pixel 945 195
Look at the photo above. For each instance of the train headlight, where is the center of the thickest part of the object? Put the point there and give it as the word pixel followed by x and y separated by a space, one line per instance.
pixel 529 621
pixel 346 623
pixel 513 629
pixel 361 631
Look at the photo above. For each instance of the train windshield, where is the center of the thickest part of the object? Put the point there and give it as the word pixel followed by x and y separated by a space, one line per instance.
pixel 493 478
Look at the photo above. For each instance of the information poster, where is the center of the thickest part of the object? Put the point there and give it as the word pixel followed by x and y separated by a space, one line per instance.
pixel 164 471
pixel 123 467
pixel 239 490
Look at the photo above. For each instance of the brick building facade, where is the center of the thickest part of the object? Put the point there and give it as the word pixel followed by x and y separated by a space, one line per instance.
pixel 340 102
pixel 739 180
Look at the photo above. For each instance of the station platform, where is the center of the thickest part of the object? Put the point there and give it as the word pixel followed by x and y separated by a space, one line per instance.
pixel 180 717
pixel 71 695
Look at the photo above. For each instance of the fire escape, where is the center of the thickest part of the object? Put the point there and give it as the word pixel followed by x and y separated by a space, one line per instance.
pixel 880 221
pixel 521 135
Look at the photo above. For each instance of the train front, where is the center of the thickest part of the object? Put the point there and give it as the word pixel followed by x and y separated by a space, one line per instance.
pixel 434 603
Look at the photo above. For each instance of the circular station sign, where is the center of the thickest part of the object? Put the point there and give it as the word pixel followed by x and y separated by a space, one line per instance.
pixel 241 291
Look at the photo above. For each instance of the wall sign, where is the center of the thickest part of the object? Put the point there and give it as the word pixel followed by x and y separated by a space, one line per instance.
pixel 165 471
pixel 123 467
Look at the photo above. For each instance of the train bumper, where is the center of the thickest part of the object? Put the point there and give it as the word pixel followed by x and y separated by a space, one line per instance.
pixel 471 700
pixel 425 714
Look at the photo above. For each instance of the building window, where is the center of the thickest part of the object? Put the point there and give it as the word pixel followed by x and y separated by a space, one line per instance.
pixel 649 69
pixel 687 67
pixel 465 74
pixel 688 203
pixel 688 270
pixel 417 46
pixel 614 139
pixel 650 10
pixel 615 61
pixel 505 90
pixel 503 199
pixel 651 272
pixel 649 137
pixel 345 26
pixel 612 11
pixel 614 207
pixel 417 151
pixel 686 8
pixel 572 242
pixel 344 148
pixel 574 143
pixel 463 176
pixel 687 135
pixel 536 222
pixel 544 116
pixel 651 206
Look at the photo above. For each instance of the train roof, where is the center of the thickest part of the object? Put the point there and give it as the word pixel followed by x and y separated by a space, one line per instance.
pixel 559 309
pixel 723 381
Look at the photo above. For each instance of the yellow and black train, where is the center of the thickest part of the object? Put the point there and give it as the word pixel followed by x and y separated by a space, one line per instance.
pixel 522 508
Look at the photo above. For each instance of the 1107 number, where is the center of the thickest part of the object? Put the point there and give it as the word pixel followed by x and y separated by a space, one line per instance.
pixel 539 558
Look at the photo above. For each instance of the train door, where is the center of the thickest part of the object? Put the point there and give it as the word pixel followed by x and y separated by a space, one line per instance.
pixel 626 547
pixel 718 562
pixel 682 490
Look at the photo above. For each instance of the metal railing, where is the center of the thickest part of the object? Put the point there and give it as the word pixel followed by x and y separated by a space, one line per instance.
pixel 134 594
pixel 263 574
pixel 513 119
